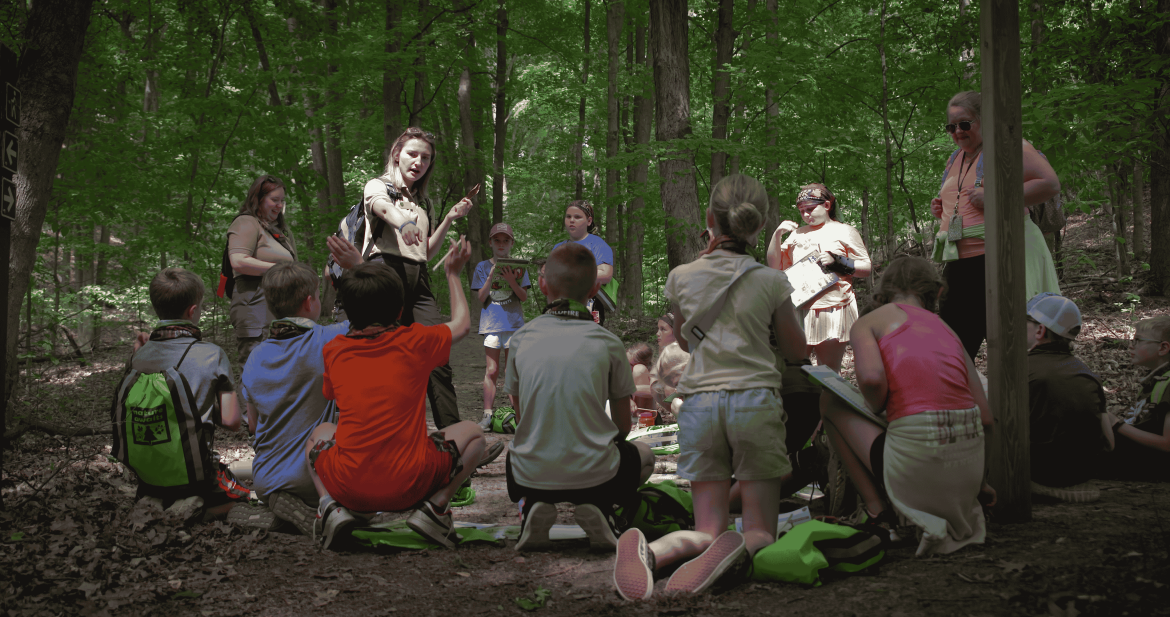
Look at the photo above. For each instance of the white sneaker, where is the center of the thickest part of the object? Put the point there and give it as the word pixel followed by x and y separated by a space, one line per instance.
pixel 597 526
pixel 335 524
pixel 486 421
pixel 535 526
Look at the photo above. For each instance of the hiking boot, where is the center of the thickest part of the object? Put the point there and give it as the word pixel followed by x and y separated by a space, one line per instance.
pixel 486 421
pixel 251 517
pixel 534 528
pixel 334 524
pixel 633 569
pixel 698 574
pixel 492 453
pixel 431 524
pixel 597 526
pixel 291 508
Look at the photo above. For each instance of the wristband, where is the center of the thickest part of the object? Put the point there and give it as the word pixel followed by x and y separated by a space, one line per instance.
pixel 841 265
pixel 405 224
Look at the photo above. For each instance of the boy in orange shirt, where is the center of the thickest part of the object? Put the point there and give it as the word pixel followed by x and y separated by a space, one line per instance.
pixel 379 457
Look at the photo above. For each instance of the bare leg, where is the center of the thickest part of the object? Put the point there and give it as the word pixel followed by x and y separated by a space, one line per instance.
pixel 647 461
pixel 710 499
pixel 830 353
pixel 323 432
pixel 761 509
pixel 490 376
pixel 852 437
pixel 468 437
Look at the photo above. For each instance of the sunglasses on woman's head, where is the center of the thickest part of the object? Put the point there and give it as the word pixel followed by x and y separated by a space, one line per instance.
pixel 965 125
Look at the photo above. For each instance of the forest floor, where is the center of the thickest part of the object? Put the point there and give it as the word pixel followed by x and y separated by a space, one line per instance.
pixel 70 542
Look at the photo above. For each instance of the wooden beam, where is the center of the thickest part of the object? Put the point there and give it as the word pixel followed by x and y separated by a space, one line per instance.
pixel 1004 218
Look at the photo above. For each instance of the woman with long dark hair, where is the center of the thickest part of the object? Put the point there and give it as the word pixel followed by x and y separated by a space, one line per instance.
pixel 257 240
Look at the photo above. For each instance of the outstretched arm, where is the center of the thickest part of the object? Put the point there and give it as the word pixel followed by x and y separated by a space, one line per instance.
pixel 460 323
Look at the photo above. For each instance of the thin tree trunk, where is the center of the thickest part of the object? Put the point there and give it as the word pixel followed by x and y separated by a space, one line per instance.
pixel 472 173
pixel 579 144
pixel 1160 173
pixel 720 88
pixel 273 95
pixel 889 239
pixel 771 120
pixel 615 15
pixel 865 232
pixel 1117 200
pixel 420 71
pixel 391 80
pixel 1137 188
pixel 501 113
pixel 676 167
pixel 336 204
pixel 632 278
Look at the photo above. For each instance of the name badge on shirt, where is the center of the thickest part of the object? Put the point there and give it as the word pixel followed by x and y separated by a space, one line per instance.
pixel 955 229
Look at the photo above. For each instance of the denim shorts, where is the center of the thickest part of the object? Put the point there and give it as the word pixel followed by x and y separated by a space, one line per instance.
pixel 732 432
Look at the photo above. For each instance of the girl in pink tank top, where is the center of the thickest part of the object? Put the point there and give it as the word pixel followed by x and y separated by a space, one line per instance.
pixel 926 468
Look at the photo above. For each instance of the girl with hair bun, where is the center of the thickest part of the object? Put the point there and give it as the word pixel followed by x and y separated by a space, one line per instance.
pixel 731 422
pixel 839 248
pixel 579 224
pixel 927 467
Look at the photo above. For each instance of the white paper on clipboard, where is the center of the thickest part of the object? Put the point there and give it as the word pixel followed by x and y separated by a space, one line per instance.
pixel 808 280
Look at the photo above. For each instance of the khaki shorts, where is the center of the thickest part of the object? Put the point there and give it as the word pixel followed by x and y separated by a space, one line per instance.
pixel 732 432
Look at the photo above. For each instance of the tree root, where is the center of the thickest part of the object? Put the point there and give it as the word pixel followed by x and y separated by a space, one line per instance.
pixel 25 425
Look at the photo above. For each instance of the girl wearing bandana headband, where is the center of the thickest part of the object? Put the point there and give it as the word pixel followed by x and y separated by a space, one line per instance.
pixel 839 248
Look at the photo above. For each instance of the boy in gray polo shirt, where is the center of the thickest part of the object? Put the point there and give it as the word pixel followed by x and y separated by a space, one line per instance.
pixel 562 369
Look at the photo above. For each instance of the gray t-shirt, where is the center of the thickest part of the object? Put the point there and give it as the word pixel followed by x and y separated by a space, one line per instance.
pixel 562 372
pixel 206 368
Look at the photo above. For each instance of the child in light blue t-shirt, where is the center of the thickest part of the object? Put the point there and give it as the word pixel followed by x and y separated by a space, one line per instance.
pixel 501 292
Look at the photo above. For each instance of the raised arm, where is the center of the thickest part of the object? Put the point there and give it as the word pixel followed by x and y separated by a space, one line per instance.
pixel 460 323
pixel 435 242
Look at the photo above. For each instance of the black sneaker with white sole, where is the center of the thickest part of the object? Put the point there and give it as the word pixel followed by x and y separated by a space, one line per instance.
pixel 431 524
pixel 336 523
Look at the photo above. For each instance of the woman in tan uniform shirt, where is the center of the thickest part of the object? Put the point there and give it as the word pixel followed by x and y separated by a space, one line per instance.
pixel 257 240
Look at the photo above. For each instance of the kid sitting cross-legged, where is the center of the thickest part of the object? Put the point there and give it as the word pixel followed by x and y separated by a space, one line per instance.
pixel 379 457
pixel 562 369
pixel 282 389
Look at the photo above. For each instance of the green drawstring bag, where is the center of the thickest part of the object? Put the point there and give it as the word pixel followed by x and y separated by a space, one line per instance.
pixel 398 535
pixel 661 508
pixel 504 421
pixel 800 554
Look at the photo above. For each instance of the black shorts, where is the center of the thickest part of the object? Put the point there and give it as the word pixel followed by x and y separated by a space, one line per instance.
pixel 613 492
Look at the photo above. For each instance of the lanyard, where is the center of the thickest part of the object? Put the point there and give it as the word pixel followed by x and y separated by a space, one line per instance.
pixel 568 308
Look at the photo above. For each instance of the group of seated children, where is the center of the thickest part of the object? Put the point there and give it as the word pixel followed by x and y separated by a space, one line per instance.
pixel 339 410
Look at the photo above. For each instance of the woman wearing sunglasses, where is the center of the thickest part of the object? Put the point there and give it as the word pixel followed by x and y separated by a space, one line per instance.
pixel 839 248
pixel 960 243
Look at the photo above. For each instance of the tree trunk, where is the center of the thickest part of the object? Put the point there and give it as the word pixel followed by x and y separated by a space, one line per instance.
pixel 336 205
pixel 771 124
pixel 632 278
pixel 889 239
pixel 720 88
pixel 472 173
pixel 391 80
pixel 579 144
pixel 501 114
pixel 273 95
pixel 676 167
pixel 1139 210
pixel 865 234
pixel 420 70
pixel 1160 173
pixel 614 17
pixel 1117 201
pixel 46 76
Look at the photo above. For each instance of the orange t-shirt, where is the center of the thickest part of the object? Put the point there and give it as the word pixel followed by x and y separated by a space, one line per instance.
pixel 968 247
pixel 831 237
pixel 383 460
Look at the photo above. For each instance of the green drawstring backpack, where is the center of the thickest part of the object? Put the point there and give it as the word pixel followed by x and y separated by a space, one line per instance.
pixel 504 421
pixel 660 509
pixel 803 552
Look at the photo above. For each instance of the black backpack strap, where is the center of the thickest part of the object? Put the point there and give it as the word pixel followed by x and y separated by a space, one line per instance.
pixel 184 356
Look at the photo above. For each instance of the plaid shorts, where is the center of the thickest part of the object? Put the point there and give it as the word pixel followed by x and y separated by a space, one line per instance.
pixel 446 446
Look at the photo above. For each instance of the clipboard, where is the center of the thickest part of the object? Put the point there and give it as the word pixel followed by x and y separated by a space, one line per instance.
pixel 831 381
pixel 808 280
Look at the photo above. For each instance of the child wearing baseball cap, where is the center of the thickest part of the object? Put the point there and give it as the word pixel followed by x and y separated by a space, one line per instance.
pixel 501 291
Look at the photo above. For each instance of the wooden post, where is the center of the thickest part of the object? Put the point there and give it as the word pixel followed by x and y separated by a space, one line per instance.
pixel 1003 198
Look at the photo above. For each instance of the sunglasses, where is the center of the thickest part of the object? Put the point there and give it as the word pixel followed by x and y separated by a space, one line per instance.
pixel 965 125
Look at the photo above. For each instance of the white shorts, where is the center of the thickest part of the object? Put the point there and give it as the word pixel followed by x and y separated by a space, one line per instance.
pixel 498 340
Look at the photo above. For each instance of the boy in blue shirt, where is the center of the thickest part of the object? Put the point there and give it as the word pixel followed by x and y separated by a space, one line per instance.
pixel 502 292
pixel 282 384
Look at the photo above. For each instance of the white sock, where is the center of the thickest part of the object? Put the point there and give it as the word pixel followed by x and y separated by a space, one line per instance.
pixel 487 412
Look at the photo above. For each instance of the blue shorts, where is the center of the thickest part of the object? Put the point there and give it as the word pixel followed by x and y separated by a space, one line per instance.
pixel 732 432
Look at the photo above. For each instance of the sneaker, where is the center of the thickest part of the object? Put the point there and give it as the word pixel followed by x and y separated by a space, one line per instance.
pixel 186 508
pixel 493 452
pixel 633 570
pixel 252 517
pixel 534 528
pixel 486 422
pixel 431 524
pixel 597 526
pixel 335 524
pixel 291 508
pixel 698 574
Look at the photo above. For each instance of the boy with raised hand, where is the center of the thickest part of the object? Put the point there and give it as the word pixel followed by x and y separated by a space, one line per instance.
pixel 177 297
pixel 282 385
pixel 501 290
pixel 562 369
pixel 1065 403
pixel 1141 436
pixel 378 457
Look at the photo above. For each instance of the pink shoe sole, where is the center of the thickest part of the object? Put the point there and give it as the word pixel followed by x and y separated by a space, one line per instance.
pixel 632 575
pixel 701 572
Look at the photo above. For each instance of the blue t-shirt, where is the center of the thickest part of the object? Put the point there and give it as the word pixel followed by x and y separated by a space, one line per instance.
pixel 504 311
pixel 602 254
pixel 283 380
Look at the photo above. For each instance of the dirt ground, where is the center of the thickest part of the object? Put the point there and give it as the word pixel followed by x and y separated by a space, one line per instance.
pixel 70 543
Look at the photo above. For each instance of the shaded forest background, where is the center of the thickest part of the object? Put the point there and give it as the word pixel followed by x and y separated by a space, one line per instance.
pixel 146 121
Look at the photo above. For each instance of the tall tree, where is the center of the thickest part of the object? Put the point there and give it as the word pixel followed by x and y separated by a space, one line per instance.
pixel 1160 168
pixel 721 88
pixel 333 157
pixel 579 144
pixel 614 17
pixel 638 172
pixel 501 113
pixel 391 79
pixel 672 117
